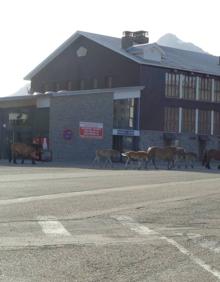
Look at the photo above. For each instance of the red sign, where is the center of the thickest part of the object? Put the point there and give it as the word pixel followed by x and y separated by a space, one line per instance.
pixel 91 130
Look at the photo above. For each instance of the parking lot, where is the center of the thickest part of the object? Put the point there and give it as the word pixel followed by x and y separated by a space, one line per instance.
pixel 76 223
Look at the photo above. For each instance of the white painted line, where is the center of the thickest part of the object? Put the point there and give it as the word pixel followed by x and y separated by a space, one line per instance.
pixel 143 230
pixel 204 243
pixel 51 226
pixel 109 190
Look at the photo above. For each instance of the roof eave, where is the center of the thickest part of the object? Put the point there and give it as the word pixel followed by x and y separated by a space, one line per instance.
pixel 54 54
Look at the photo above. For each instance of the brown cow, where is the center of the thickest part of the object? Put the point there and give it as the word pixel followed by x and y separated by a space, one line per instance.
pixel 209 155
pixel 107 155
pixel 140 156
pixel 190 159
pixel 167 154
pixel 24 151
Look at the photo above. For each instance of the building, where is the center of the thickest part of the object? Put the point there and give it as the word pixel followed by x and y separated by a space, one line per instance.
pixel 99 91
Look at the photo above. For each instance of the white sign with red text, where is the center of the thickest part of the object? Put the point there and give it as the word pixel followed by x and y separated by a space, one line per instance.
pixel 91 130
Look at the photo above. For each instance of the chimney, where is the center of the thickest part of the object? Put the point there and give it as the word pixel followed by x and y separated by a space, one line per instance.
pixel 140 37
pixel 127 40
pixel 132 38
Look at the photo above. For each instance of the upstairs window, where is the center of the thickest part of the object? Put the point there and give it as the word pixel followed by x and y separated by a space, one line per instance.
pixel 171 119
pixel 172 85
pixel 188 120
pixel 95 83
pixel 108 81
pixel 125 113
pixel 217 91
pixel 217 123
pixel 205 89
pixel 204 122
pixel 69 85
pixel 82 84
pixel 189 87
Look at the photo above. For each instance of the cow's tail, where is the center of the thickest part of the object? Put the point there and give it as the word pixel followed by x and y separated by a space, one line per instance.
pixel 124 154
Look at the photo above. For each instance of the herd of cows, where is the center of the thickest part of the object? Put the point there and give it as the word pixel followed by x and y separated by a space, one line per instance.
pixel 174 156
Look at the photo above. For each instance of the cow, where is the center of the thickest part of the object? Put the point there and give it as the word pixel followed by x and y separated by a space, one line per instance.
pixel 25 152
pixel 209 155
pixel 107 155
pixel 140 156
pixel 168 154
pixel 190 159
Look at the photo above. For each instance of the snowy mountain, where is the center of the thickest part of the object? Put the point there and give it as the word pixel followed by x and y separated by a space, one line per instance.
pixel 173 41
pixel 22 91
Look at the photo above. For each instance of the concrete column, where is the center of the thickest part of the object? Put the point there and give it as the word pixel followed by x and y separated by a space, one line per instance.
pixel 180 119
pixel 197 122
pixel 181 86
pixel 213 90
pixel 139 112
pixel 197 88
pixel 212 122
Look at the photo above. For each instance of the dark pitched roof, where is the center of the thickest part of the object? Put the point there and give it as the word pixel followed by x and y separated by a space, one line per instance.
pixel 172 58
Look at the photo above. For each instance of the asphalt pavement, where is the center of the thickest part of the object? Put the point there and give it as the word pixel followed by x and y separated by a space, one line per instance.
pixel 74 222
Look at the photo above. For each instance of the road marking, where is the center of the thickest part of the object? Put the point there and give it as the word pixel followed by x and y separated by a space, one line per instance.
pixel 25 242
pixel 204 243
pixel 107 190
pixel 51 226
pixel 143 230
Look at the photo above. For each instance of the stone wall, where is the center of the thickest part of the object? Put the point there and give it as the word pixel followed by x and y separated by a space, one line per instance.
pixel 149 138
pixel 189 141
pixel 66 112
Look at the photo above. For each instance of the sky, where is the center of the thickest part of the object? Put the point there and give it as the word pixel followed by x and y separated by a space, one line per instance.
pixel 31 30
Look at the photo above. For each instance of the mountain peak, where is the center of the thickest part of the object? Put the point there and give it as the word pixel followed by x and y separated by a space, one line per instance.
pixel 171 40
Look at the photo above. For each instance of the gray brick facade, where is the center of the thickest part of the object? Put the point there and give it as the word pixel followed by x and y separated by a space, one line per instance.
pixel 67 112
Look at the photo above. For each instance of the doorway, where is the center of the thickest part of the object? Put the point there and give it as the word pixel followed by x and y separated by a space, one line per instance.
pixel 202 148
pixel 125 143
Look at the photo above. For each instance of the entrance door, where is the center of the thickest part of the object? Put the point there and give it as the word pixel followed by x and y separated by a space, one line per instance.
pixel 125 143
pixel 117 143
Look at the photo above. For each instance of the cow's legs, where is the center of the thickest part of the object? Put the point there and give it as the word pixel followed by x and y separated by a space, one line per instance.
pixel 146 163
pixel 95 161
pixel 208 165
pixel 109 161
pixel 154 163
pixel 141 163
pixel 14 158
pixel 127 162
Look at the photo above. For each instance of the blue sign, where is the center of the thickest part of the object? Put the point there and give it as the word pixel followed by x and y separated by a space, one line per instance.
pixel 125 132
pixel 67 134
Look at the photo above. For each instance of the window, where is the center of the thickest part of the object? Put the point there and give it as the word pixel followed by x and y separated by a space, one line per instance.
pixel 172 85
pixel 82 84
pixel 205 89
pixel 189 87
pixel 57 86
pixel 42 88
pixel 217 91
pixel 188 120
pixel 95 83
pixel 171 119
pixel 69 85
pixel 216 123
pixel 125 113
pixel 108 81
pixel 204 122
